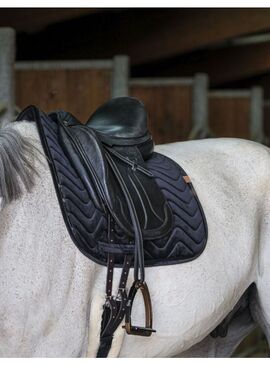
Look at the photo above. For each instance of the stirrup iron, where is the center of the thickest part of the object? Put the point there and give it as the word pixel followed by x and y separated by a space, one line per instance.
pixel 136 330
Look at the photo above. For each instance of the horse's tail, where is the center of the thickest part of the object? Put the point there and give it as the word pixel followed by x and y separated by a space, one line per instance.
pixel 17 171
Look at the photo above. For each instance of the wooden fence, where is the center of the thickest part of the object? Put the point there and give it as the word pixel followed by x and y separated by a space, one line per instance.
pixel 76 86
pixel 237 113
pixel 179 108
pixel 174 105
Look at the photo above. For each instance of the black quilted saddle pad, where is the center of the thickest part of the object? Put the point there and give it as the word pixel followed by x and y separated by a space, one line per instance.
pixel 88 226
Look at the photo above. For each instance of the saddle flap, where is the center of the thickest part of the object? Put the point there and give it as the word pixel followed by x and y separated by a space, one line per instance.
pixel 108 175
pixel 87 158
pixel 152 209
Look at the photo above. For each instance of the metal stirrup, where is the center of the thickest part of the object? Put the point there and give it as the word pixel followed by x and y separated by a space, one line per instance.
pixel 136 330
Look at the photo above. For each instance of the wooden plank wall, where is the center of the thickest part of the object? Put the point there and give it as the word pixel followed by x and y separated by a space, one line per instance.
pixel 169 109
pixel 229 114
pixel 77 91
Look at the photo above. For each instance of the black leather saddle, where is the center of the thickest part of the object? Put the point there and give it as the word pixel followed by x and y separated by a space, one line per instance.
pixel 109 155
pixel 123 204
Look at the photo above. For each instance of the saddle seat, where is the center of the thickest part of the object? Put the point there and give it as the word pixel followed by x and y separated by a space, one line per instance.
pixel 121 121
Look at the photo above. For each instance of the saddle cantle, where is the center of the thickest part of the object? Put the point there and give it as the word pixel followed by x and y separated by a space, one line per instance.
pixel 123 122
pixel 123 204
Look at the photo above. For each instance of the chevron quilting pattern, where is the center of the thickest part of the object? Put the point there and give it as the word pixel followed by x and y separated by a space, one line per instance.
pixel 87 225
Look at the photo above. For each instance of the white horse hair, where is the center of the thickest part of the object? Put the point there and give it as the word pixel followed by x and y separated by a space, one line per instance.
pixel 16 153
pixel 51 296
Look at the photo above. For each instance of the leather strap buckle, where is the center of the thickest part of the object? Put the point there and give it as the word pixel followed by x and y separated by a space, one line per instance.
pixel 136 330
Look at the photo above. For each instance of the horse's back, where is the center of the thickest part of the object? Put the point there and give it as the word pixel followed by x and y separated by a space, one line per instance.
pixel 230 161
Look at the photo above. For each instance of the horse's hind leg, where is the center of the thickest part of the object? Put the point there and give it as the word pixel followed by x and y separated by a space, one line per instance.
pixel 260 298
pixel 260 309
pixel 238 329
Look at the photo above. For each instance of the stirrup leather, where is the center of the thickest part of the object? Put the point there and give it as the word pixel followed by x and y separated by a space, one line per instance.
pixel 136 330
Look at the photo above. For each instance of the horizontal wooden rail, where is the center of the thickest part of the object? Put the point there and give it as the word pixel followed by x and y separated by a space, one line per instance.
pixel 229 94
pixel 63 65
pixel 166 81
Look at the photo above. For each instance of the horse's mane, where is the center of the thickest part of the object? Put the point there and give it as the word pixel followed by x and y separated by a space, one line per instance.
pixel 17 172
